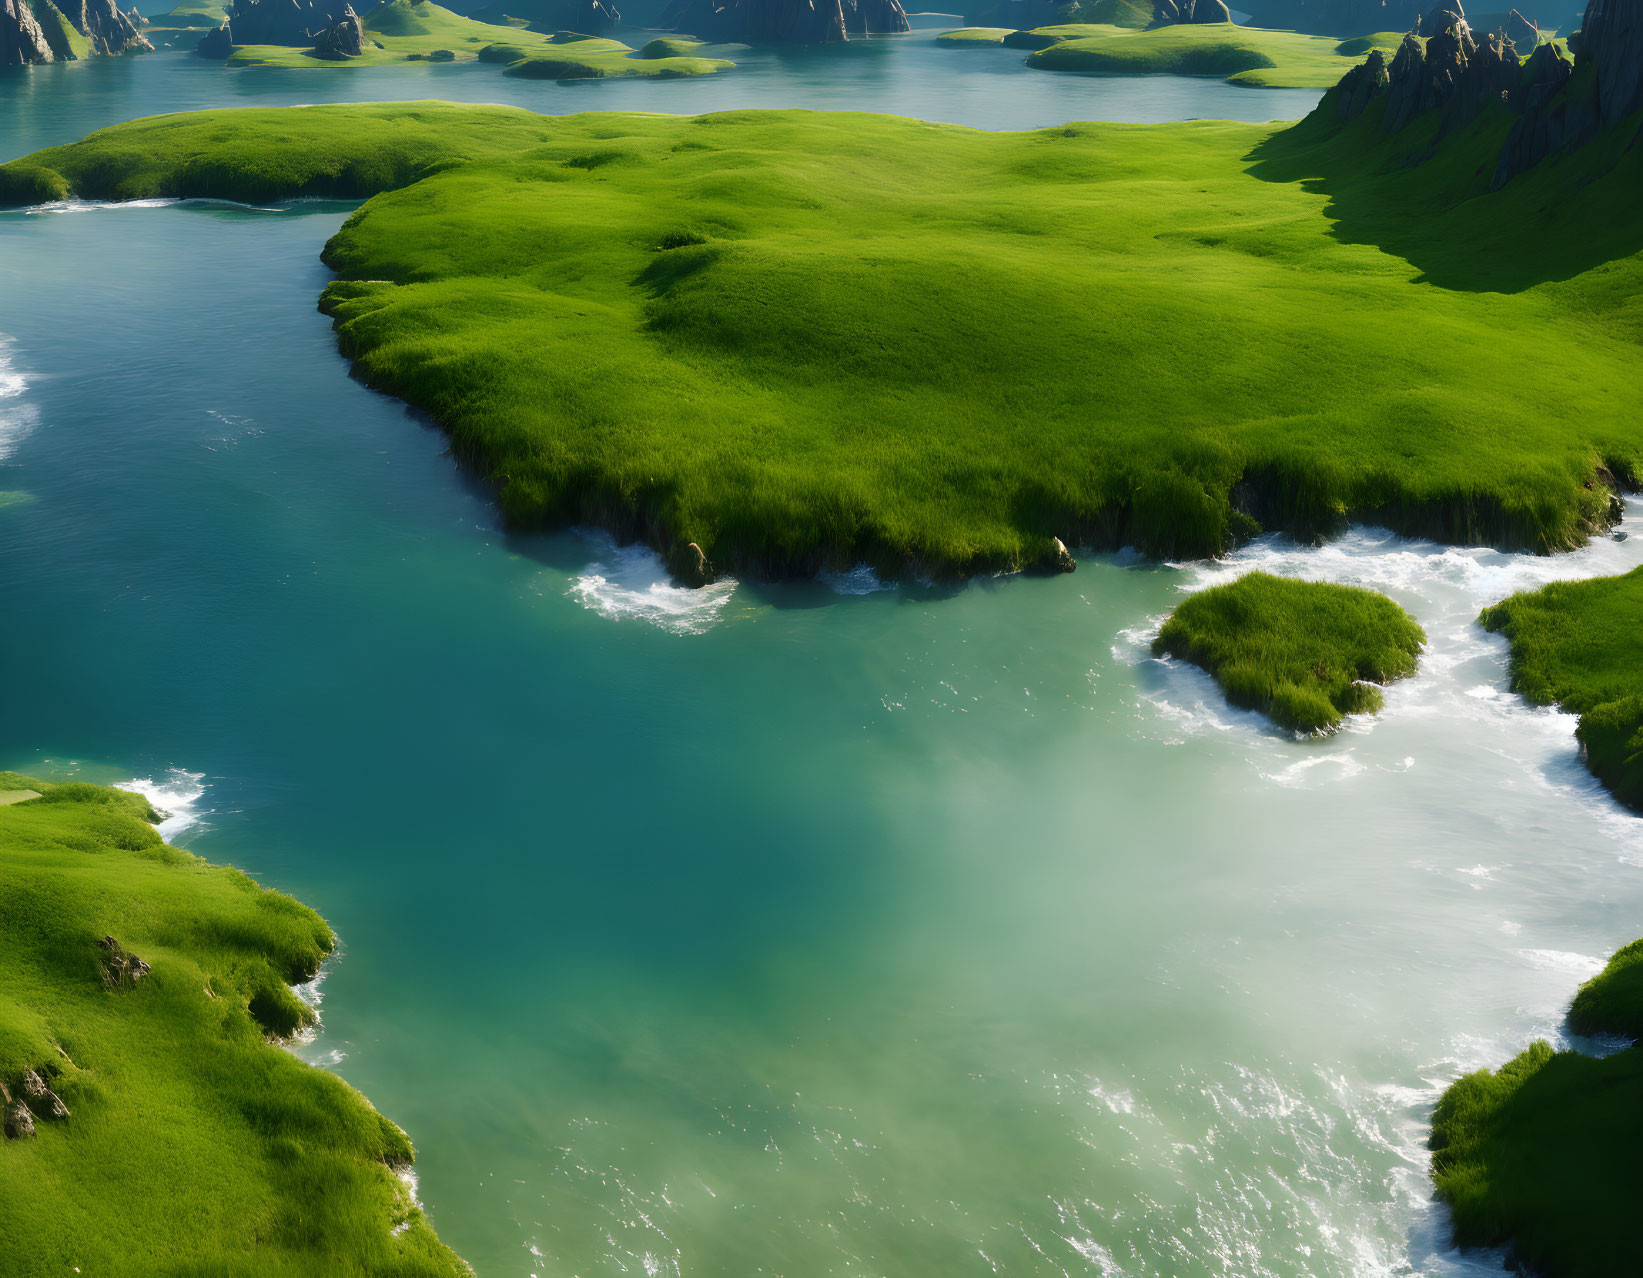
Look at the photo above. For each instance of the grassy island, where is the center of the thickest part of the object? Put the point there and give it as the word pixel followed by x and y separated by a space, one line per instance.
pixel 773 342
pixel 1541 1155
pixel 1579 645
pixel 1304 653
pixel 1250 56
pixel 419 30
pixel 150 1125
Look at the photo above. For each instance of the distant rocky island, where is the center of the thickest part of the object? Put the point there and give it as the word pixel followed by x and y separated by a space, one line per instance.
pixel 785 21
pixel 38 31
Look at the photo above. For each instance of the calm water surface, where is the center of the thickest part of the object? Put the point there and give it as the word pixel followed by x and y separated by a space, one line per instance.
pixel 804 930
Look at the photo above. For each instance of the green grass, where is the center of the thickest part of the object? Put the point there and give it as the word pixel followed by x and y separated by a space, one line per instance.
pixel 65 41
pixel 419 30
pixel 1541 1155
pixel 193 1145
pixel 973 37
pixel 1243 55
pixel 934 348
pixel 1579 645
pixel 194 13
pixel 1612 1001
pixel 1304 653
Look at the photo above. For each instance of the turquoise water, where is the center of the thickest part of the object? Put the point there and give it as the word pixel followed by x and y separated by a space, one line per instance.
pixel 802 930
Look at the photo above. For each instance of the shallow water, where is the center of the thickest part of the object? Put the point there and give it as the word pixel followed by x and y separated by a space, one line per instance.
pixel 903 75
pixel 805 929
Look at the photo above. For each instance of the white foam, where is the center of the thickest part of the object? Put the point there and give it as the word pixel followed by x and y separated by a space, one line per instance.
pixel 16 419
pixel 630 582
pixel 176 797
pixel 97 206
pixel 860 580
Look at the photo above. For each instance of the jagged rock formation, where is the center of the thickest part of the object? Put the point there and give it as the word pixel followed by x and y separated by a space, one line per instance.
pixel 1461 76
pixel 1168 13
pixel 22 41
pixel 111 31
pixel 35 1100
pixel 343 39
pixel 217 43
pixel 875 17
pixel 291 22
pixel 784 21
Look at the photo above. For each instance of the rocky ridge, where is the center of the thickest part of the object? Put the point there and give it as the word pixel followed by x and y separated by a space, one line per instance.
pixel 1444 66
pixel 24 40
pixel 1168 13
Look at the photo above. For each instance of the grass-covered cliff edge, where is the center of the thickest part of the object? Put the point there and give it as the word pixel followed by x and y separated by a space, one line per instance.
pixel 775 342
pixel 1579 645
pixel 1304 653
pixel 150 1126
pixel 1541 1155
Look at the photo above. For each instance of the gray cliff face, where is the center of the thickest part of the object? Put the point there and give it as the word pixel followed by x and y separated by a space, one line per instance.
pixel 217 44
pixel 784 21
pixel 290 22
pixel 111 30
pixel 1462 76
pixel 343 39
pixel 22 40
pixel 1169 13
pixel 1611 37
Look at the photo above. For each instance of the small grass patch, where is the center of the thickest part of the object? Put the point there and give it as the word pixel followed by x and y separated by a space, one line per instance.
pixel 138 984
pixel 1541 1154
pixel 1579 645
pixel 1304 653
pixel 973 37
pixel 1250 56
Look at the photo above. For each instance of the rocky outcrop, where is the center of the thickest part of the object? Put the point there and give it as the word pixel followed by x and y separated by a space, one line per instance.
pixel 111 30
pixel 19 1124
pixel 1361 85
pixel 121 968
pixel 289 22
pixel 875 17
pixel 1462 76
pixel 1611 39
pixel 784 21
pixel 1169 13
pixel 218 43
pixel 343 39
pixel 22 39
pixel 44 1102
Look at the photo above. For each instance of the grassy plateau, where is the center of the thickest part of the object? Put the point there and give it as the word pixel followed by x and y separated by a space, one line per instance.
pixel 139 988
pixel 1541 1155
pixel 1579 645
pixel 1241 55
pixel 1304 653
pixel 419 30
pixel 775 342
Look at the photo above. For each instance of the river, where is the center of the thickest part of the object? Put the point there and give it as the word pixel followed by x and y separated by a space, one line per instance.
pixel 806 929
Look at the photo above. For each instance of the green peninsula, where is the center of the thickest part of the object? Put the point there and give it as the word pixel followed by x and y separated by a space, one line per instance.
pixel 1541 1154
pixel 1250 56
pixel 774 342
pixel 1304 653
pixel 1579 645
pixel 150 1125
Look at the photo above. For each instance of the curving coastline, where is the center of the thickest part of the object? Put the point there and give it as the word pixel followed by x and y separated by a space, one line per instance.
pixel 151 1122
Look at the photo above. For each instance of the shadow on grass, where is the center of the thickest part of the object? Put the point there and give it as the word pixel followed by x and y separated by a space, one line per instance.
pixel 1428 200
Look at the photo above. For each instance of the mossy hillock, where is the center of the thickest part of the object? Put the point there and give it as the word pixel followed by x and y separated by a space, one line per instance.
pixel 1304 653
pixel 151 1125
